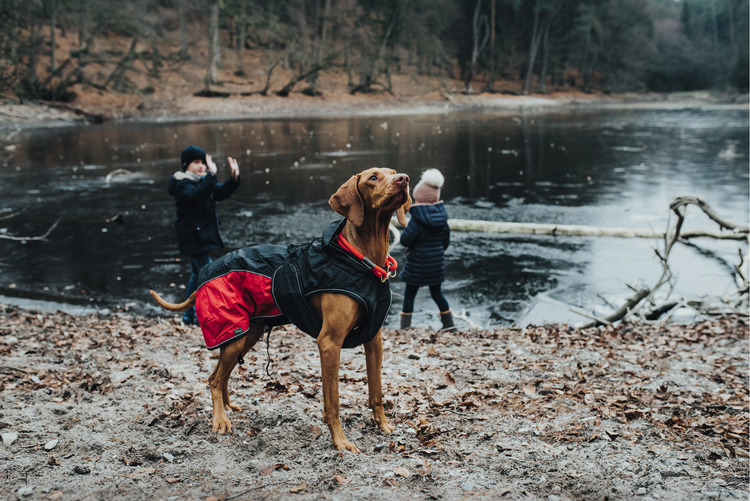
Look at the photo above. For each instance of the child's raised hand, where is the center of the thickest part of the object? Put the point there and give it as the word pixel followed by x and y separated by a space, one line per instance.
pixel 235 168
pixel 210 164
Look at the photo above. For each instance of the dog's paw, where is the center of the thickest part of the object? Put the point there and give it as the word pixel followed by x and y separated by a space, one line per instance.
pixel 222 426
pixel 345 444
pixel 382 422
pixel 386 428
pixel 232 407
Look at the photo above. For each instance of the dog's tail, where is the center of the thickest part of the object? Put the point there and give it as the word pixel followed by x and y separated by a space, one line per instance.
pixel 177 308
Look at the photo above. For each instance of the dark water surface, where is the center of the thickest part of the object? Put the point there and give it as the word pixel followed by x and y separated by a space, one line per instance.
pixel 600 168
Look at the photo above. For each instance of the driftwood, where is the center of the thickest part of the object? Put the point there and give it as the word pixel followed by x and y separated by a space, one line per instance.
pixel 578 230
pixel 114 173
pixel 622 310
pixel 703 307
pixel 723 223
pixel 29 239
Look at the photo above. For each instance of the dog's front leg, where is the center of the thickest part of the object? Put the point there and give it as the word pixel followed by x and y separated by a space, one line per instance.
pixel 374 358
pixel 330 357
pixel 339 314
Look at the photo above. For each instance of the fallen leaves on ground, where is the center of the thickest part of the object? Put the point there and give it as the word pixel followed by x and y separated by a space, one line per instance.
pixel 682 385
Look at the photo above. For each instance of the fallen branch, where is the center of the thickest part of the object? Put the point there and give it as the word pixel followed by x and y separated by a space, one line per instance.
pixel 578 230
pixel 27 239
pixel 115 173
pixel 466 319
pixel 723 223
pixel 14 214
pixel 592 317
pixel 622 311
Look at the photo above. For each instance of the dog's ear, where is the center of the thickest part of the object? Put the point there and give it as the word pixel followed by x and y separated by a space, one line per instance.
pixel 401 212
pixel 348 202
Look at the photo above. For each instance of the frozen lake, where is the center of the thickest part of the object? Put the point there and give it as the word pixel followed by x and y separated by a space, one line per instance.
pixel 614 168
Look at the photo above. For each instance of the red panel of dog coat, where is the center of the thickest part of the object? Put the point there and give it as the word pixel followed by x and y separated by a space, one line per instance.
pixel 226 305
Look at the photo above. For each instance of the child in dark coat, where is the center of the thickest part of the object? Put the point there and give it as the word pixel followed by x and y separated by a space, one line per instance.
pixel 427 236
pixel 196 190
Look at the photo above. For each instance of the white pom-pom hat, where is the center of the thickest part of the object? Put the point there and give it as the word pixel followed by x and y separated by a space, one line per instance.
pixel 427 190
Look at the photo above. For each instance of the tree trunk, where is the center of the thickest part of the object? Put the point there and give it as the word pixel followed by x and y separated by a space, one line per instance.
pixel 543 74
pixel 475 49
pixel 183 29
pixel 532 51
pixel 491 81
pixel 52 28
pixel 584 63
pixel 213 44
pixel 313 79
pixel 715 40
pixel 350 81
pixel 31 80
pixel 730 13
pixel 231 31
pixel 241 39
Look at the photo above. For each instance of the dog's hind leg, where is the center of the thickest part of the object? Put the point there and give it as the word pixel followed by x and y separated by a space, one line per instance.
pixel 219 380
pixel 374 358
pixel 255 332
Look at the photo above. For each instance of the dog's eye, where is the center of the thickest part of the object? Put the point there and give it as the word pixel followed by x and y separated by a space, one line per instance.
pixel 373 178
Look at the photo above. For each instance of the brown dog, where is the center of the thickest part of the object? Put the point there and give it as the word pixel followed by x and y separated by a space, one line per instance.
pixel 368 201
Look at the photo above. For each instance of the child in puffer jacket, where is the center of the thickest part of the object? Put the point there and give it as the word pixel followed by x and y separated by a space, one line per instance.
pixel 427 236
pixel 196 190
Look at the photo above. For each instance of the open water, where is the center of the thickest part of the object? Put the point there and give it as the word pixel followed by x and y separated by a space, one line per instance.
pixel 601 168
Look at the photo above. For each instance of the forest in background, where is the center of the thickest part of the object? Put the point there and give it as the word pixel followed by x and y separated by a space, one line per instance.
pixel 543 45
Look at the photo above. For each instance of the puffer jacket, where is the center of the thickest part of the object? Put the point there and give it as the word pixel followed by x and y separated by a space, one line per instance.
pixel 427 236
pixel 197 223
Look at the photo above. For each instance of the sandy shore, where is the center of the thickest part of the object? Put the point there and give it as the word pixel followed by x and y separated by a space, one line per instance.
pixel 117 407
pixel 236 107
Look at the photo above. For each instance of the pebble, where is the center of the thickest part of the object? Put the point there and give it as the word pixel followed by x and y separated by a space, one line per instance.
pixel 26 491
pixel 169 457
pixel 411 431
pixel 82 470
pixel 553 497
pixel 467 486
pixel 642 491
pixel 712 494
pixel 9 438
pixel 51 445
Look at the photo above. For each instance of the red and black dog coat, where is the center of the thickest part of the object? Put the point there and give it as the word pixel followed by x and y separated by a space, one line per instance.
pixel 273 284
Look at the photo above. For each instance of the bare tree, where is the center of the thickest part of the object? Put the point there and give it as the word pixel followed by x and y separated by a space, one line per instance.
pixel 491 79
pixel 475 48
pixel 213 44
pixel 183 30
pixel 536 37
pixel 320 49
pixel 52 29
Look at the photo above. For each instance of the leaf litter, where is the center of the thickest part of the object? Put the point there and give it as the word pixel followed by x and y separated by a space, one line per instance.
pixel 545 412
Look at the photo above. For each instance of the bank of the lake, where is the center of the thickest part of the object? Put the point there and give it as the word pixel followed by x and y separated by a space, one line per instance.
pixel 133 108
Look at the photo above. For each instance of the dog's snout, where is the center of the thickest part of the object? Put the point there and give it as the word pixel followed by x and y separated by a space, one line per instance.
pixel 401 179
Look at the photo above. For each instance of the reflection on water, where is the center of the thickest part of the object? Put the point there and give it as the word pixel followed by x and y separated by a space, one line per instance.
pixel 605 168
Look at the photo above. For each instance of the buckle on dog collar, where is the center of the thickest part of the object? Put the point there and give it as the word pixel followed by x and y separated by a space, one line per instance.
pixel 382 274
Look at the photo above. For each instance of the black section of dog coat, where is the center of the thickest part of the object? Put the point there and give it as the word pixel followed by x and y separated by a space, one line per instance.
pixel 322 266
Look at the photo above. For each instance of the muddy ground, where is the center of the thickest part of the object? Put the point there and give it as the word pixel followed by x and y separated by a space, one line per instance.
pixel 117 407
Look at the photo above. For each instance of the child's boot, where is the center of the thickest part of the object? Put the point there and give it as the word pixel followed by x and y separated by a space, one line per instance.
pixel 447 318
pixel 405 320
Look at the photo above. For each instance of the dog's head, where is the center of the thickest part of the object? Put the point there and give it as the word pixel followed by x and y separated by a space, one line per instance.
pixel 374 189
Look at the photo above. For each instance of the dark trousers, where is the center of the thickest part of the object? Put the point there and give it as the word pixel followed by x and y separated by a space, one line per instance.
pixel 435 292
pixel 197 261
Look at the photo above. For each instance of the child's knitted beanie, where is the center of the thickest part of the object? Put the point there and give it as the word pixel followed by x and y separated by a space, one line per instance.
pixel 190 154
pixel 427 190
